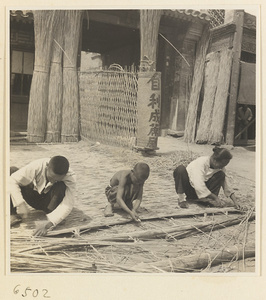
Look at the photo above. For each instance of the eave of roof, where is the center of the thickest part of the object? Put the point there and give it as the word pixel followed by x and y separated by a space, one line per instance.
pixel 185 14
pixel 188 14
pixel 26 16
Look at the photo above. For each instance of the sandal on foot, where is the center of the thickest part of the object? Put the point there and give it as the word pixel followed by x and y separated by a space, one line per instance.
pixel 108 211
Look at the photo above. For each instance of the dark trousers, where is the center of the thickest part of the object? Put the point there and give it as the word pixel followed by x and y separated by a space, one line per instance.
pixel 182 184
pixel 45 202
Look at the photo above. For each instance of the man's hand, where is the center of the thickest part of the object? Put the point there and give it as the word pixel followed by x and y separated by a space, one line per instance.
pixel 42 229
pixel 22 210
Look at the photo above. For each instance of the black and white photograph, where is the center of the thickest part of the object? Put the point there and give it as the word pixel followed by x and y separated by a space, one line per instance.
pixel 134 142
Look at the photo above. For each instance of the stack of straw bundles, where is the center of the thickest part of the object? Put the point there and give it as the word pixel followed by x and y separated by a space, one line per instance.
pixel 37 116
pixel 54 114
pixel 70 116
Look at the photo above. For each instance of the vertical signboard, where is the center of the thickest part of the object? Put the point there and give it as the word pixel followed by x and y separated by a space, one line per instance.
pixel 149 110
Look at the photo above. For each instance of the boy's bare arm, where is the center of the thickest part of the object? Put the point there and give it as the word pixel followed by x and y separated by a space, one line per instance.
pixel 138 200
pixel 120 200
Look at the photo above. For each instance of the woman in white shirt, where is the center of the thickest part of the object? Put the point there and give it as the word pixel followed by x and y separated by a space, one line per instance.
pixel 203 178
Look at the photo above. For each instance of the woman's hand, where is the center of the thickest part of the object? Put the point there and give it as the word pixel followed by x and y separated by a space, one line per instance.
pixel 236 204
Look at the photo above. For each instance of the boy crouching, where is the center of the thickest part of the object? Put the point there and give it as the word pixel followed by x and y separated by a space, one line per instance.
pixel 126 189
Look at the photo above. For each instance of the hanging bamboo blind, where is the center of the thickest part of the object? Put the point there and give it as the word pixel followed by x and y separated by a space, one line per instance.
pixel 108 106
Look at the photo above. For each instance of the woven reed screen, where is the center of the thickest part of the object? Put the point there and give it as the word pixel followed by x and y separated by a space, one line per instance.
pixel 217 17
pixel 108 107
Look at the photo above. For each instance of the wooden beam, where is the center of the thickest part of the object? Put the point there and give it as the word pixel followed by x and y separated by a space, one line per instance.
pixel 180 213
pixel 199 261
pixel 108 18
pixel 175 232
pixel 239 21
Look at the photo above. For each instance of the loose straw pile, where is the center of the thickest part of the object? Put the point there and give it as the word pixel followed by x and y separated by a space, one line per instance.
pixel 71 255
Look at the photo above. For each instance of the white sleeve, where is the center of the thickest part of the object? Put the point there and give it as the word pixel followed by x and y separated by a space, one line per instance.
pixel 227 190
pixel 65 207
pixel 22 177
pixel 197 180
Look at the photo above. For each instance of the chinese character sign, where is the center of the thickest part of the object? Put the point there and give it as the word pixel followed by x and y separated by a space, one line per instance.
pixel 149 110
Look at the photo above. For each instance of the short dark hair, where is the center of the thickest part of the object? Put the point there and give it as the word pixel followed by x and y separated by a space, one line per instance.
pixel 59 165
pixel 220 153
pixel 143 169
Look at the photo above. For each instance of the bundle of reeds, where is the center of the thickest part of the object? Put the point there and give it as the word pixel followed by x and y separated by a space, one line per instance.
pixel 149 30
pixel 70 114
pixel 37 116
pixel 54 114
pixel 191 121
pixel 210 87
pixel 198 261
pixel 221 97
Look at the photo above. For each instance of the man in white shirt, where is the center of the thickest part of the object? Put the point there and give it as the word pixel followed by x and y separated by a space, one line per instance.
pixel 45 184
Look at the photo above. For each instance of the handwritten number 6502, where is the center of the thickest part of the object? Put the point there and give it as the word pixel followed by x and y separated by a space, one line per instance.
pixel 34 293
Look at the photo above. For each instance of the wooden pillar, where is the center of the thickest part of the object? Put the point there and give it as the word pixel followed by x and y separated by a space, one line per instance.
pixel 149 82
pixel 149 29
pixel 239 21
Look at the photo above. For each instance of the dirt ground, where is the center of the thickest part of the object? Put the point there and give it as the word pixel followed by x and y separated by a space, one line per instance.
pixel 94 164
